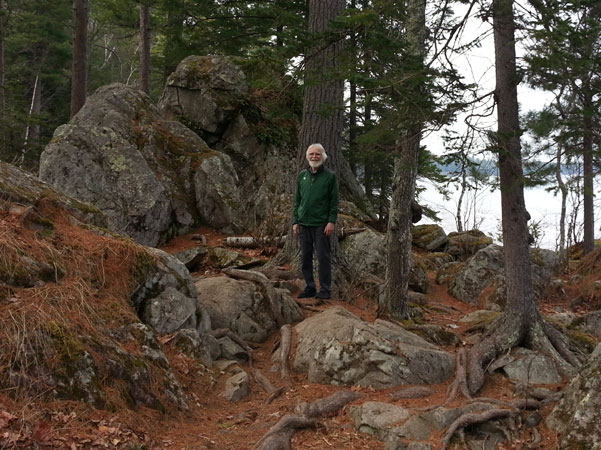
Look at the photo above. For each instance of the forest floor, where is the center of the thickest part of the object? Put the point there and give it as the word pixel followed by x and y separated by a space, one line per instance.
pixel 212 422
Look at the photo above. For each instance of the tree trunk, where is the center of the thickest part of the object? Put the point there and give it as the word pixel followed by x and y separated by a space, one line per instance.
pixel 588 244
pixel 322 120
pixel 521 322
pixel 398 236
pixel 323 92
pixel 145 48
pixel 2 69
pixel 79 76
pixel 562 219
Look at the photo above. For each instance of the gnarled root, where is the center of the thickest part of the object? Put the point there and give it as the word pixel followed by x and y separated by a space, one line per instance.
pixel 511 331
pixel 278 437
pixel 474 418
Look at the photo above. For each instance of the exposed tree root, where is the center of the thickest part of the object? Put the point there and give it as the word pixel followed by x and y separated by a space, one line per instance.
pixel 285 343
pixel 265 284
pixel 278 437
pixel 474 418
pixel 460 382
pixel 308 308
pixel 268 387
pixel 513 330
pixel 221 332
pixel 328 405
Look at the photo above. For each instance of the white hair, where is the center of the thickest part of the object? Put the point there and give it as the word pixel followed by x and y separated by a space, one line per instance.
pixel 319 147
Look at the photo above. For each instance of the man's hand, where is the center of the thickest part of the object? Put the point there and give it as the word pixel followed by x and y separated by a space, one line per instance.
pixel 329 229
pixel 296 229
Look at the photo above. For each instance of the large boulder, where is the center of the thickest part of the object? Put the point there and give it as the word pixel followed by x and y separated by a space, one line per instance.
pixel 465 244
pixel 578 414
pixel 147 174
pixel 211 95
pixel 166 296
pixel 206 92
pixel 339 348
pixel 364 252
pixel 429 237
pixel 481 279
pixel 242 307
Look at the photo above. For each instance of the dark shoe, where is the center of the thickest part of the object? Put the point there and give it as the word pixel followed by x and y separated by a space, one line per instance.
pixel 322 295
pixel 307 293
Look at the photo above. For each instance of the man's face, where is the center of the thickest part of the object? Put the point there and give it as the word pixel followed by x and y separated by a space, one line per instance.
pixel 314 157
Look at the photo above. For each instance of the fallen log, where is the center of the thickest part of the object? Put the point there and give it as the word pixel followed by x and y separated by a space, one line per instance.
pixel 278 241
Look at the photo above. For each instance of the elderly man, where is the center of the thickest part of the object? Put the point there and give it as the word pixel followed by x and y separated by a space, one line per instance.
pixel 315 214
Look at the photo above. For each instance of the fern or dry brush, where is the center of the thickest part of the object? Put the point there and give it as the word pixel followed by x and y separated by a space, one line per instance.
pixel 55 286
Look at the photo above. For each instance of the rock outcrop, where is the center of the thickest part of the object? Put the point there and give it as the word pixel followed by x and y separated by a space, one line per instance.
pixel 337 347
pixel 242 307
pixel 578 414
pixel 151 177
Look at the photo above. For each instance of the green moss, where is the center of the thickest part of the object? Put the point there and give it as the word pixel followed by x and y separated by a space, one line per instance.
pixel 583 341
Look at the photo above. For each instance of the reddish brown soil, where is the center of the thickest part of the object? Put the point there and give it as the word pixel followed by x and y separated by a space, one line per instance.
pixel 212 422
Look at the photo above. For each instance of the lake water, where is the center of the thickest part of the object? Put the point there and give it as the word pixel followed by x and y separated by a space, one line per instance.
pixel 543 206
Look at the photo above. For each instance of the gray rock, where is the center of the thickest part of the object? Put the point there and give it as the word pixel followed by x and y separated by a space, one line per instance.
pixel 170 310
pixel 230 350
pixel 19 188
pixel 192 257
pixel 421 426
pixel 364 252
pixel 207 91
pixel 531 368
pixel 120 155
pixel 191 344
pixel 336 347
pixel 217 196
pixel 242 307
pixel 589 323
pixel 377 418
pixel 429 237
pixel 236 387
pixel 577 416
pixel 486 270
pixel 394 443
pixel 463 245
pixel 166 297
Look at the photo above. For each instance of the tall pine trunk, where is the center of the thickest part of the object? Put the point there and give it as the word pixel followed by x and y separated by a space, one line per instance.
pixel 322 120
pixel 588 244
pixel 521 322
pixel 79 76
pixel 398 236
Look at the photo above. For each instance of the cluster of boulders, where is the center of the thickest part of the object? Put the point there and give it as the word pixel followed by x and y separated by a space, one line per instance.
pixel 153 172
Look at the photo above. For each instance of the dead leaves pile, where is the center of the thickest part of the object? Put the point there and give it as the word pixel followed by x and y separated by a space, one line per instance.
pixel 66 431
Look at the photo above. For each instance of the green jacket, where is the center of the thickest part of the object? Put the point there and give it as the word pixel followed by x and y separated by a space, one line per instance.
pixel 316 200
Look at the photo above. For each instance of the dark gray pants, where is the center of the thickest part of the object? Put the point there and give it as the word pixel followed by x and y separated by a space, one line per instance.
pixel 314 238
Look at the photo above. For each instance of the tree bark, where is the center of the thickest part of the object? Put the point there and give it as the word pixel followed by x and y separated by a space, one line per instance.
pixel 322 120
pixel 398 236
pixel 145 48
pixel 521 322
pixel 2 68
pixel 79 77
pixel 588 244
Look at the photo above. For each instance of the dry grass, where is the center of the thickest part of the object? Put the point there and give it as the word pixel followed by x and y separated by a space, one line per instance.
pixel 41 323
